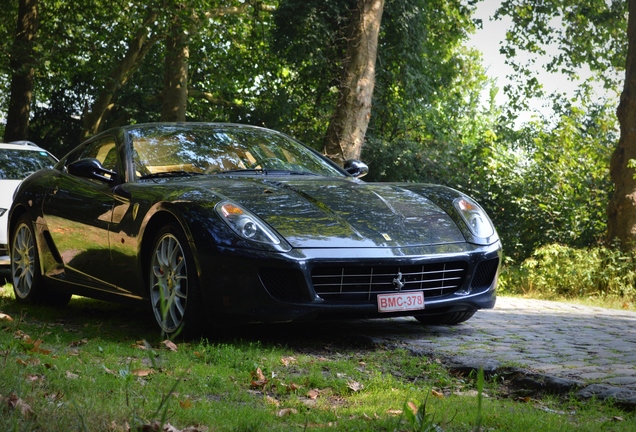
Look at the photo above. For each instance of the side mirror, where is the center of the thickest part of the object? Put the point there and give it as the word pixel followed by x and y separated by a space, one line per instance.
pixel 92 169
pixel 356 168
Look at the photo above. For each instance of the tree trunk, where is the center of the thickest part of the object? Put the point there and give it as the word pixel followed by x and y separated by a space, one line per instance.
pixel 175 84
pixel 621 211
pixel 349 123
pixel 175 93
pixel 22 69
pixel 138 47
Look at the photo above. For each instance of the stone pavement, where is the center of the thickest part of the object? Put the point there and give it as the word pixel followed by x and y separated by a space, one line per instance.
pixel 589 350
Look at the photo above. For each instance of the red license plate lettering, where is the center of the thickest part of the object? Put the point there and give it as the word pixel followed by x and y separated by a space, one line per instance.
pixel 400 301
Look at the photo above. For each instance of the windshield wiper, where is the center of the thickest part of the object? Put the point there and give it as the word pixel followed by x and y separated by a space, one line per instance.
pixel 294 172
pixel 168 174
pixel 268 172
pixel 244 170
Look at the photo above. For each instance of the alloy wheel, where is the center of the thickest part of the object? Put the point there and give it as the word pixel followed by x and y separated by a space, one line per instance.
pixel 22 260
pixel 168 283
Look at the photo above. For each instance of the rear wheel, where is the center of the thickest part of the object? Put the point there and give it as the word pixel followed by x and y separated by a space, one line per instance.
pixel 451 318
pixel 28 283
pixel 174 288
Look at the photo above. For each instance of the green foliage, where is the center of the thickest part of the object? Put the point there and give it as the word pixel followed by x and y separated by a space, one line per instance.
pixel 559 187
pixel 543 184
pixel 556 271
pixel 563 36
pixel 433 119
pixel 428 89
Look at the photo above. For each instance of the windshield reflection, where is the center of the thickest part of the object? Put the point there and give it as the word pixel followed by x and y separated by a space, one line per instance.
pixel 163 151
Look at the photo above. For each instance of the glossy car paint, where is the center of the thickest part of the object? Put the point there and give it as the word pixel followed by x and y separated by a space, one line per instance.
pixel 94 238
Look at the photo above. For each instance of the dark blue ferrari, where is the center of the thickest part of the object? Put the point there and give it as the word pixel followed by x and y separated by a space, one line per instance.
pixel 222 222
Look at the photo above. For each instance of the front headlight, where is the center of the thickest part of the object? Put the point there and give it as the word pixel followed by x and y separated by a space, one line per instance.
pixel 245 224
pixel 475 217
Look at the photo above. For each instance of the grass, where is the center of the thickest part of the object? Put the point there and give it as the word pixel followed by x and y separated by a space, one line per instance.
pixel 95 366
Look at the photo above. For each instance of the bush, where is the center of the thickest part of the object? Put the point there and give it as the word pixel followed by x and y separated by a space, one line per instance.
pixel 557 271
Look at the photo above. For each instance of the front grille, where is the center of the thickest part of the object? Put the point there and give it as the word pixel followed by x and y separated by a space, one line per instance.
pixel 356 283
pixel 485 273
pixel 282 284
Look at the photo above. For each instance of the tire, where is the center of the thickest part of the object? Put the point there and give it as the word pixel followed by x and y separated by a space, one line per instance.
pixel 173 285
pixel 28 282
pixel 451 318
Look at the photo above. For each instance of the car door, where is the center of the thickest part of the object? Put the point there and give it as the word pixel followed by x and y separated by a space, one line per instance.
pixel 78 212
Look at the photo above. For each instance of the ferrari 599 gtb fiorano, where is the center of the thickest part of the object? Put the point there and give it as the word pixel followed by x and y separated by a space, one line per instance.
pixel 220 222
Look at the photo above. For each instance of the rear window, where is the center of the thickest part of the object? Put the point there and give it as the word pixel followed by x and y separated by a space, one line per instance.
pixel 18 164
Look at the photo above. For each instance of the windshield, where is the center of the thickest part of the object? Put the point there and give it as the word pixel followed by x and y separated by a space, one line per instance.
pixel 17 164
pixel 197 149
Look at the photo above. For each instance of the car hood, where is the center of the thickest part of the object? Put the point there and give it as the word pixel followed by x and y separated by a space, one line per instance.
pixel 344 213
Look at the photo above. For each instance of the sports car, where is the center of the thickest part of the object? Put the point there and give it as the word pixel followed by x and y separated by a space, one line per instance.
pixel 217 223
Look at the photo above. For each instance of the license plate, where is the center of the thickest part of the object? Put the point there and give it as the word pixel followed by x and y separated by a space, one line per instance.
pixel 401 301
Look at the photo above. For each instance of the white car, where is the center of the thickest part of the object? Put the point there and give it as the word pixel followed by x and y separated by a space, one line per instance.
pixel 17 161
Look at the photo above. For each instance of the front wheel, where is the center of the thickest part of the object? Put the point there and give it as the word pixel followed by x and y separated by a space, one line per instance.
pixel 174 288
pixel 28 283
pixel 451 318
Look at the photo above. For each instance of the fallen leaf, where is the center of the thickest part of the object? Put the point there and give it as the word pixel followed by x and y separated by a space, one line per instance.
pixel 412 407
pixel 259 383
pixel 112 372
pixel 355 386
pixel 158 427
pixel 142 372
pixel 186 404
pixel 286 361
pixel 35 348
pixel 170 345
pixel 78 343
pixel 272 401
pixel 286 411
pixel 53 397
pixel 258 374
pixel 5 317
pixel 71 375
pixel 18 404
pixel 258 378
pixel 437 394
pixel 142 345
pixel 394 412
pixel 294 386
pixel 34 378
pixel 19 334
pixel 313 394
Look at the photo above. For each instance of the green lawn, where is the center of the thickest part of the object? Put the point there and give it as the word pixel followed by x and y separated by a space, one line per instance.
pixel 96 366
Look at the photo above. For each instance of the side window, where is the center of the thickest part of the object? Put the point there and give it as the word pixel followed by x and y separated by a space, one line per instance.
pixel 105 151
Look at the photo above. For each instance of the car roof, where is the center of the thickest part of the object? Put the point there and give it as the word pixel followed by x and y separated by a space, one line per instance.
pixel 22 145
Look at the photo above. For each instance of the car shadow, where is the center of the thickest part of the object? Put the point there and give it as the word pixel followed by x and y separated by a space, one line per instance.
pixel 89 318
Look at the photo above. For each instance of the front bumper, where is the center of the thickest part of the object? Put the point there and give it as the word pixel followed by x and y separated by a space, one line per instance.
pixel 283 287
